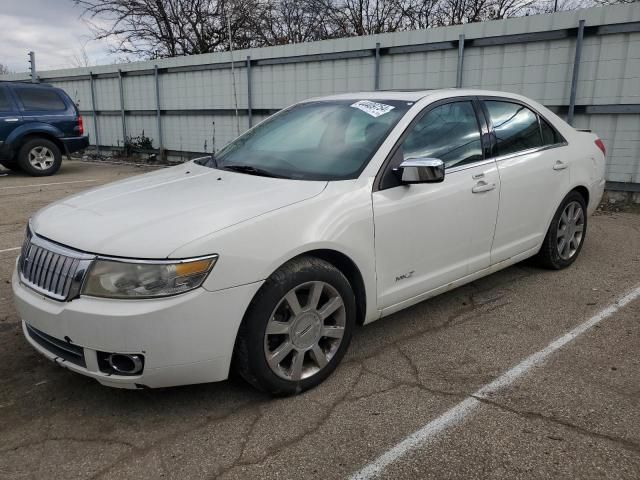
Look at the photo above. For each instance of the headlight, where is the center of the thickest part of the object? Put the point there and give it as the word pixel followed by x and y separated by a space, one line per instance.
pixel 145 279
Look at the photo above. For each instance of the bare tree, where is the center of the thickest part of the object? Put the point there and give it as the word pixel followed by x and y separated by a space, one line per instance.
pixel 4 69
pixel 168 28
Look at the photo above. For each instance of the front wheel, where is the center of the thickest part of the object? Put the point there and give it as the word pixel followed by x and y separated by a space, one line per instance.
pixel 566 234
pixel 297 328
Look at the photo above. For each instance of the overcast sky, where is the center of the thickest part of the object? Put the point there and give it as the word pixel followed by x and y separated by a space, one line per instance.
pixel 51 28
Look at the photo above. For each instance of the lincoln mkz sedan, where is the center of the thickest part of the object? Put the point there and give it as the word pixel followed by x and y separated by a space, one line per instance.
pixel 334 212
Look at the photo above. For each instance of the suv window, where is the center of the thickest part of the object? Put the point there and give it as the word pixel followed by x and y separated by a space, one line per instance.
pixel 39 99
pixel 5 106
pixel 515 126
pixel 449 132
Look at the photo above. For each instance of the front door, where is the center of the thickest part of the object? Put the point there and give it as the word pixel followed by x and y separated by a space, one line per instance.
pixel 428 235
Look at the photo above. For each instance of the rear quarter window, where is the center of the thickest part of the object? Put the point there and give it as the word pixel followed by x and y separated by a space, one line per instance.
pixel 40 99
pixel 549 134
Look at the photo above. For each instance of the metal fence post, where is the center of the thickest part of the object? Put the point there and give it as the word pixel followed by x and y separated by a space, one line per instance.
pixel 460 60
pixel 376 82
pixel 249 99
pixel 122 115
pixel 95 115
pixel 576 71
pixel 32 67
pixel 160 142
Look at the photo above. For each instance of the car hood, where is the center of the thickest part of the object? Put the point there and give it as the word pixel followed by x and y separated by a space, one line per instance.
pixel 150 216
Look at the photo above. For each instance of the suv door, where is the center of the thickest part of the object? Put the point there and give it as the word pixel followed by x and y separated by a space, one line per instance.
pixel 429 235
pixel 534 177
pixel 9 118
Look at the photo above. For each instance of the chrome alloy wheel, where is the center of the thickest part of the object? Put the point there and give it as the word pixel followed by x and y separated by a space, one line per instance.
pixel 305 331
pixel 41 158
pixel 570 230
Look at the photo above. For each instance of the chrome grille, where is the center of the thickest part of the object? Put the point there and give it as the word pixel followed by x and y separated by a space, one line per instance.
pixel 53 270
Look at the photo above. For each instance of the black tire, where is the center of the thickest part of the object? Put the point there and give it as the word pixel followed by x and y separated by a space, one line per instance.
pixel 549 255
pixel 42 143
pixel 10 165
pixel 250 356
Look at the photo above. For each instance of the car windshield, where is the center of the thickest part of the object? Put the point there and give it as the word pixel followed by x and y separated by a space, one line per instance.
pixel 323 140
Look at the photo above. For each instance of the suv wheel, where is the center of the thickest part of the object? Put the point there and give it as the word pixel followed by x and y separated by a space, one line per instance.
pixel 566 233
pixel 297 328
pixel 39 157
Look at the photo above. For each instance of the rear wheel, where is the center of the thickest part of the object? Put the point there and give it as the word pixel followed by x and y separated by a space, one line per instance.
pixel 297 328
pixel 566 233
pixel 39 157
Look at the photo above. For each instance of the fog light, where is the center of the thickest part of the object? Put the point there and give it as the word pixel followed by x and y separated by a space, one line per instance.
pixel 121 363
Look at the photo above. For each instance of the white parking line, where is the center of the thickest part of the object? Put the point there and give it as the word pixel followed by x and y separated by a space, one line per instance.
pixel 47 184
pixel 458 413
pixel 9 249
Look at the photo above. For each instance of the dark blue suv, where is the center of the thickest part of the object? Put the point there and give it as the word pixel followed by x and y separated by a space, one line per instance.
pixel 38 123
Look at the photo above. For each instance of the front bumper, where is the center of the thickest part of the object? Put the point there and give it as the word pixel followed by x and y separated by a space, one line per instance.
pixel 185 339
pixel 73 144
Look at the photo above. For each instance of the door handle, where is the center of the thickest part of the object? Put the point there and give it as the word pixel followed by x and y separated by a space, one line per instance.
pixel 560 165
pixel 482 186
pixel 11 119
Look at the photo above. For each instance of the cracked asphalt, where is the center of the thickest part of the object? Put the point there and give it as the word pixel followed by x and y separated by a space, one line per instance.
pixel 577 415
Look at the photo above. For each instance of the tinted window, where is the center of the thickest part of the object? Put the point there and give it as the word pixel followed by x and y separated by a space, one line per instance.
pixel 39 99
pixel 516 127
pixel 4 101
pixel 549 134
pixel 448 132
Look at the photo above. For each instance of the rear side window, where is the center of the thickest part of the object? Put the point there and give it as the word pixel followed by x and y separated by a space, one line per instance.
pixel 40 99
pixel 5 106
pixel 515 126
pixel 549 134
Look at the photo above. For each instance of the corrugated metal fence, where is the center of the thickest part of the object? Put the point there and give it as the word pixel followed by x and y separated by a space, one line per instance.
pixel 586 62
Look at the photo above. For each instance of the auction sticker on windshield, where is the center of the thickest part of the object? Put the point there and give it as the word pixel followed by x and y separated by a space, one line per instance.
pixel 374 109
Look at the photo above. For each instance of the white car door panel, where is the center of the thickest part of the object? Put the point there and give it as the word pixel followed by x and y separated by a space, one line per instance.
pixel 428 235
pixel 531 190
pixel 533 178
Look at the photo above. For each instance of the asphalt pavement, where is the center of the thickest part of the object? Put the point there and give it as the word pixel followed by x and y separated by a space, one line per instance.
pixel 574 414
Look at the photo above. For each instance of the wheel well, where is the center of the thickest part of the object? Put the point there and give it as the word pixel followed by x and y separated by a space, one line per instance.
pixel 584 192
pixel 48 136
pixel 349 270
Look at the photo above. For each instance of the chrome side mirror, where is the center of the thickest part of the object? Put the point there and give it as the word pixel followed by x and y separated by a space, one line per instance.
pixel 421 170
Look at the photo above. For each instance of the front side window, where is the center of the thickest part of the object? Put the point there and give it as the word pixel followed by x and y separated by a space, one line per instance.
pixel 324 140
pixel 40 99
pixel 447 132
pixel 515 126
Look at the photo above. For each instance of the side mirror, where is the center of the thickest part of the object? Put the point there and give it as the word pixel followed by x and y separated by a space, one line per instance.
pixel 421 170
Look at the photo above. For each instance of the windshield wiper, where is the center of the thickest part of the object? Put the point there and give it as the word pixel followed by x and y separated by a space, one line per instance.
pixel 250 170
pixel 211 161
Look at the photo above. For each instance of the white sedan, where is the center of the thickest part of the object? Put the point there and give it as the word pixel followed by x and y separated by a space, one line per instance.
pixel 335 211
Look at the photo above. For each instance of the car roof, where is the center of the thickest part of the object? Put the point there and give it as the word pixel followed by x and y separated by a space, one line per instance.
pixel 25 84
pixel 415 95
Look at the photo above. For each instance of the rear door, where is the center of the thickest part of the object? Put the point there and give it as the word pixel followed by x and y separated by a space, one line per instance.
pixel 534 176
pixel 10 119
